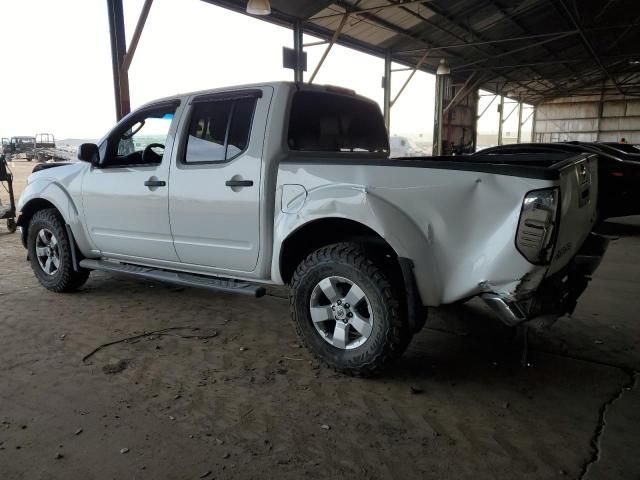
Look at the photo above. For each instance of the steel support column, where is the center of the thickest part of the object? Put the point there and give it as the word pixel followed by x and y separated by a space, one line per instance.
pixel 519 122
pixel 118 52
pixel 298 32
pixel 533 124
pixel 475 123
pixel 601 108
pixel 500 119
pixel 441 85
pixel 386 85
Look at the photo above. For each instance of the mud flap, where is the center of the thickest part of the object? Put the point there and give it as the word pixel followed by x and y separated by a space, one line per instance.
pixel 416 312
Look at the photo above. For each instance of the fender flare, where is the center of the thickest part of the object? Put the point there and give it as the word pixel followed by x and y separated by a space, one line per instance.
pixel 55 194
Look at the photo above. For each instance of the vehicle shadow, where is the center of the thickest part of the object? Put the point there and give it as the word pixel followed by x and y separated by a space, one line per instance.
pixel 461 337
pixel 623 226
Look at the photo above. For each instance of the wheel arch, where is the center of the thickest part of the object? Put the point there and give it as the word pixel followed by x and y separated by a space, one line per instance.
pixel 40 195
pixel 317 233
pixel 28 211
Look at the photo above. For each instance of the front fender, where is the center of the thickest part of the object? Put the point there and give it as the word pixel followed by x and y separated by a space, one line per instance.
pixel 360 204
pixel 55 193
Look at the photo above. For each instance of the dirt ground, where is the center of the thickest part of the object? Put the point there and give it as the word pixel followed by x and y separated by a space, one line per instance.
pixel 228 393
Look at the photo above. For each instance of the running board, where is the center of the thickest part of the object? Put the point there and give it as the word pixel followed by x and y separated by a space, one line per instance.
pixel 176 278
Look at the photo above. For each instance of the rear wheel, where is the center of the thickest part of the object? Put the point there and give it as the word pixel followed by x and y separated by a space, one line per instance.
pixel 50 253
pixel 11 225
pixel 346 311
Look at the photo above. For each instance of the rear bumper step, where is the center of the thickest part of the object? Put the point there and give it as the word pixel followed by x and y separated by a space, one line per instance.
pixel 176 278
pixel 558 294
pixel 509 312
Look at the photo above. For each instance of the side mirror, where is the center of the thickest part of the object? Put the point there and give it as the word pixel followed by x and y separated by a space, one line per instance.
pixel 88 152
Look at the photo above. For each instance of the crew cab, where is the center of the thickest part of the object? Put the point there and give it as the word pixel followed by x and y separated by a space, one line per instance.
pixel 292 184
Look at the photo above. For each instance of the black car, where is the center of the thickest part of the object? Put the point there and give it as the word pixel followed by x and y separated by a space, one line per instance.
pixel 618 171
pixel 625 147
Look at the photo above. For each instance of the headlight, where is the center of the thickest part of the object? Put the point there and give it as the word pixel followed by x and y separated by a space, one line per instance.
pixel 537 227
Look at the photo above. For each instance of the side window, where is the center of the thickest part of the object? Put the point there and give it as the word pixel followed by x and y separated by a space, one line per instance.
pixel 207 132
pixel 143 140
pixel 240 126
pixel 219 130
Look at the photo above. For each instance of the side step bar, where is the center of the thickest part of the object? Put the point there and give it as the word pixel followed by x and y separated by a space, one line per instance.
pixel 176 278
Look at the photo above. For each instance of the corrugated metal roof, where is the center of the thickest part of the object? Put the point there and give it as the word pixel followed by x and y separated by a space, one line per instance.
pixel 534 49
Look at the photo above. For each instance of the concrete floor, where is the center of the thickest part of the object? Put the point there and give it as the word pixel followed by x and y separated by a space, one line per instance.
pixel 249 403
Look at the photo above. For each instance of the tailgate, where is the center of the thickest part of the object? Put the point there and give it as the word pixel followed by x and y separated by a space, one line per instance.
pixel 578 197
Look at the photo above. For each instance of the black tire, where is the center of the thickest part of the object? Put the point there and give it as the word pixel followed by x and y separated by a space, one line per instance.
pixel 65 278
pixel 11 225
pixel 390 333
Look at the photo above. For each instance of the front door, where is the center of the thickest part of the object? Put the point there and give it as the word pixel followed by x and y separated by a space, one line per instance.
pixel 215 186
pixel 126 199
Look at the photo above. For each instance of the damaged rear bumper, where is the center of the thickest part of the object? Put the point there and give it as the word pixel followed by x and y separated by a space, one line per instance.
pixel 558 294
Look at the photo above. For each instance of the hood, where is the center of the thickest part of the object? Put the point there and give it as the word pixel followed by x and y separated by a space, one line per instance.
pixel 56 171
pixel 44 166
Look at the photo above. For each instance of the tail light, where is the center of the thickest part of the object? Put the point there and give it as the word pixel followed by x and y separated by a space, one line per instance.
pixel 537 228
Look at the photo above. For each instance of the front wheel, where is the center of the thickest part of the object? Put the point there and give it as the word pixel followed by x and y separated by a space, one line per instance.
pixel 346 311
pixel 50 253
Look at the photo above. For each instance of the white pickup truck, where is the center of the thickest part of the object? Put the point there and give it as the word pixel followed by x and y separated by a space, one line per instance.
pixel 292 184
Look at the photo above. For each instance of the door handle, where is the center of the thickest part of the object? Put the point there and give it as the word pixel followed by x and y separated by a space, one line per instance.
pixel 155 183
pixel 239 183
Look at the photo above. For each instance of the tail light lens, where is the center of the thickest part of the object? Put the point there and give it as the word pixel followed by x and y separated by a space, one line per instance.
pixel 537 227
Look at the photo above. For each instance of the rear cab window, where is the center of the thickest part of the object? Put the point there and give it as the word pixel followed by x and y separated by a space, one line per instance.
pixel 330 122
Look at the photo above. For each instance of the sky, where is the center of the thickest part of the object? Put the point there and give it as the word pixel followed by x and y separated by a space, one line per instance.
pixel 57 73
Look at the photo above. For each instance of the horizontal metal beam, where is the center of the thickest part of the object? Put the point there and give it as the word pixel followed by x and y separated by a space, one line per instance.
pixel 516 50
pixel 370 9
pixel 313 44
pixel 520 65
pixel 486 42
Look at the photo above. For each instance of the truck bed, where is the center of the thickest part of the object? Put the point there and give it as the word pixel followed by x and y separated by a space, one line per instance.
pixel 544 166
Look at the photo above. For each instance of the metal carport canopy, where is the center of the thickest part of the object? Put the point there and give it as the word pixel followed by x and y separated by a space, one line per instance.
pixel 532 50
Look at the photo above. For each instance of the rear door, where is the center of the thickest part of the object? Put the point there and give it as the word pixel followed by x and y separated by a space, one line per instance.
pixel 214 205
